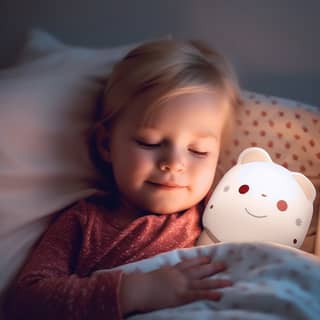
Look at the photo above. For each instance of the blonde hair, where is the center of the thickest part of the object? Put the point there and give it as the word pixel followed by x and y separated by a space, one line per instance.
pixel 166 68
pixel 159 70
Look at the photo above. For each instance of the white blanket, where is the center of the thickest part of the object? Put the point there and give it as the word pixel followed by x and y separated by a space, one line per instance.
pixel 271 282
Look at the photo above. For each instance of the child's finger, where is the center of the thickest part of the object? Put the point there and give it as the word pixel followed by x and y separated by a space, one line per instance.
pixel 205 270
pixel 192 262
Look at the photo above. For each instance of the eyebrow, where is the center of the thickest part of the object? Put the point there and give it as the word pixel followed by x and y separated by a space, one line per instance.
pixel 200 134
pixel 206 134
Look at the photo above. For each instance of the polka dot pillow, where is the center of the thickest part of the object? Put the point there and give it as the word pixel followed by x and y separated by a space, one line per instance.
pixel 288 130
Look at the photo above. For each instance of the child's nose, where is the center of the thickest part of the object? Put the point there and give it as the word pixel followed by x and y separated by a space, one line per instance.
pixel 174 167
pixel 172 162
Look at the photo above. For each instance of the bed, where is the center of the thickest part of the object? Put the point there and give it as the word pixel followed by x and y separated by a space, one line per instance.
pixel 46 102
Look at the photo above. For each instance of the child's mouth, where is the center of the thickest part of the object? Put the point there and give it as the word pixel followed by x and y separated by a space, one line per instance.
pixel 168 186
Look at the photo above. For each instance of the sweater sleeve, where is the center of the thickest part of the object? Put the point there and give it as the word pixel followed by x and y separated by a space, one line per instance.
pixel 47 286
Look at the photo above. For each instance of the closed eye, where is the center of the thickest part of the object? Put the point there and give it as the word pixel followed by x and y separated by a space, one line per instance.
pixel 199 153
pixel 155 145
pixel 147 145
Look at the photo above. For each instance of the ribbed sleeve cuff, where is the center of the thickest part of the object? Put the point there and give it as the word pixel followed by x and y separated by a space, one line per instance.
pixel 107 293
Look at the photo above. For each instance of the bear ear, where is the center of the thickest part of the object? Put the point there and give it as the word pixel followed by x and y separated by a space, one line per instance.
pixel 306 185
pixel 253 154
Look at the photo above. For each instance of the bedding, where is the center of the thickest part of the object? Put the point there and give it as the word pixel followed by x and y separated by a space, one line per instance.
pixel 271 282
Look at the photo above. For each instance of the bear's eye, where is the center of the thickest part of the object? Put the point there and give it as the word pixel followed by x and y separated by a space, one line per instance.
pixel 244 189
pixel 282 205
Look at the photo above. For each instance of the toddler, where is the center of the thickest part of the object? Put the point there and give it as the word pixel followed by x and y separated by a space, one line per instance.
pixel 166 109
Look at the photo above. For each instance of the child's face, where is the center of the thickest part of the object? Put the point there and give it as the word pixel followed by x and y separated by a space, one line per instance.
pixel 167 164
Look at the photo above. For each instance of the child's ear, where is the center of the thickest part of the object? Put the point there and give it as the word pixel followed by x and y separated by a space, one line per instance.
pixel 103 142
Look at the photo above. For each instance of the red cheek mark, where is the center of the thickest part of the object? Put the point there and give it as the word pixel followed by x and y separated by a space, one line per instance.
pixel 244 189
pixel 282 205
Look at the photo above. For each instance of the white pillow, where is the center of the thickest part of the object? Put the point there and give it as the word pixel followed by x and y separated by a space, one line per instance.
pixel 46 108
pixel 39 44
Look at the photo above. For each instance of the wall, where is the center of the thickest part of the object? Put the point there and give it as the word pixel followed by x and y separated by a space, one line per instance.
pixel 273 44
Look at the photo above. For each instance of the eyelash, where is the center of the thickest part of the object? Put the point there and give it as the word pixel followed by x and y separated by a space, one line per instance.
pixel 198 153
pixel 148 145
pixel 155 145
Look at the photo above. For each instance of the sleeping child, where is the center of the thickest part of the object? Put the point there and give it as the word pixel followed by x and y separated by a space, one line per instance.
pixel 167 108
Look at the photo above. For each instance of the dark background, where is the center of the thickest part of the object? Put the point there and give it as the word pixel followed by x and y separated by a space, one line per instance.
pixel 273 44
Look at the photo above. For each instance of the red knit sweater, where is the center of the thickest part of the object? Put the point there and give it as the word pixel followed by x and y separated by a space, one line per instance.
pixel 57 281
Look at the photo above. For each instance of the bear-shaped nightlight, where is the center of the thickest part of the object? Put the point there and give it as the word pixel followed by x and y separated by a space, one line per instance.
pixel 259 200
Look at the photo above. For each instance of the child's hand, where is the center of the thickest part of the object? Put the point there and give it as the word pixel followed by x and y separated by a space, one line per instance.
pixel 172 286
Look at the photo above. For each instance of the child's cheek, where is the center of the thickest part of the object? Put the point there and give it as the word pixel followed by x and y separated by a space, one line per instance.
pixel 204 175
pixel 142 159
